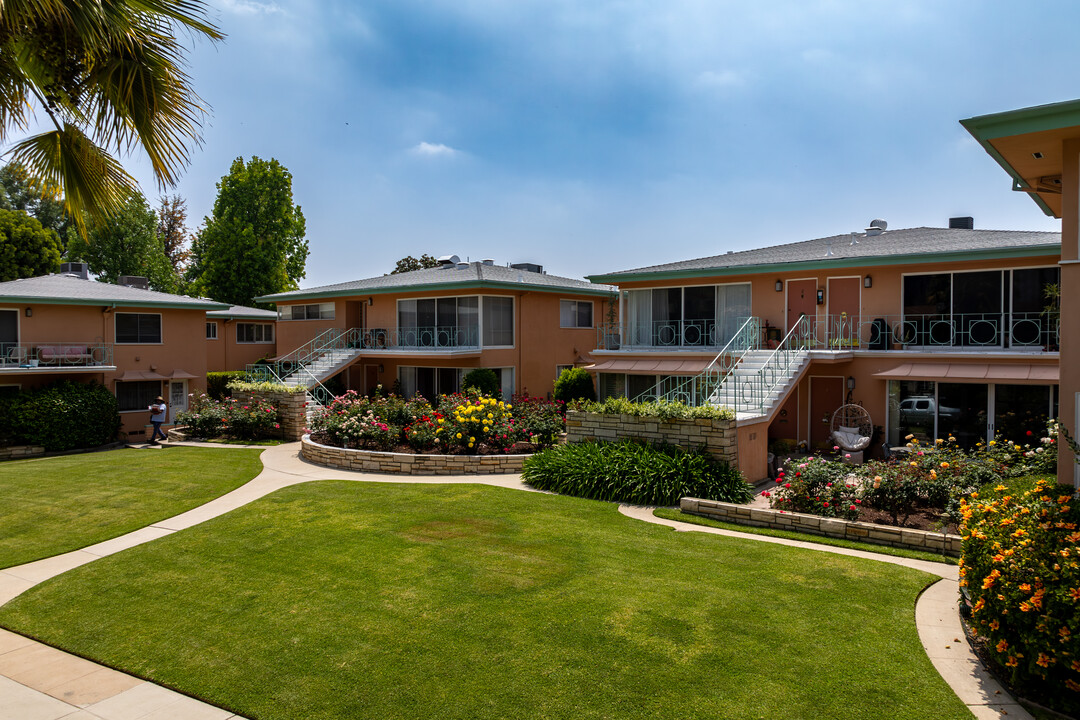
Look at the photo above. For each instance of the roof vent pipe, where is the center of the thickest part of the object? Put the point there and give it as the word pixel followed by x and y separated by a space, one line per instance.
pixel 962 223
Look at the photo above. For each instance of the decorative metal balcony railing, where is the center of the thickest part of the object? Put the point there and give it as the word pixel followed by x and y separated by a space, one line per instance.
pixel 53 355
pixel 975 331
pixel 667 334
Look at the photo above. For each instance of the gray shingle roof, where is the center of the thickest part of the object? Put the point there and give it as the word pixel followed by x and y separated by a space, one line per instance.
pixel 476 275
pixel 896 244
pixel 243 311
pixel 73 290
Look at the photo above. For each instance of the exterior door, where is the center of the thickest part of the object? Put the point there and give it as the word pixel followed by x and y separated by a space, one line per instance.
pixel 178 399
pixel 844 295
pixel 9 336
pixel 371 378
pixel 801 300
pixel 353 312
pixel 826 395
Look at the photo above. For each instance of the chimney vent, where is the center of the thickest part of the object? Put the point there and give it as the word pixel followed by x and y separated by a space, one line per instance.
pixel 877 227
pixel 79 269
pixel 962 223
pixel 488 261
pixel 449 260
pixel 133 281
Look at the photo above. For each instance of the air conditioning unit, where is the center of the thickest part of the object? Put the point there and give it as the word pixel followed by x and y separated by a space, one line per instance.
pixel 79 269
pixel 133 281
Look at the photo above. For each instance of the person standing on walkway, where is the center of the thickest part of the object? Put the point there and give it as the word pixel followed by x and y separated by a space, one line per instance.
pixel 157 416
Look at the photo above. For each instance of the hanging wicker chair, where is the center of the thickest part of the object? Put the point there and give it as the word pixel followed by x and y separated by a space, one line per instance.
pixel 852 430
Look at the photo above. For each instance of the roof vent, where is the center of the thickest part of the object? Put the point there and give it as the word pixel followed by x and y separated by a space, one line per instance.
pixel 530 267
pixel 962 223
pixel 449 260
pixel 877 227
pixel 133 281
pixel 463 266
pixel 78 269
pixel 488 261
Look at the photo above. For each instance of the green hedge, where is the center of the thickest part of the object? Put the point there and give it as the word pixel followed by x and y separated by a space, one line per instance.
pixel 1020 563
pixel 663 409
pixel 483 379
pixel 217 383
pixel 574 384
pixel 62 416
pixel 634 472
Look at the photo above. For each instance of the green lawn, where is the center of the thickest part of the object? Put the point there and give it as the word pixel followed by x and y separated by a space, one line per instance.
pixel 361 600
pixel 673 514
pixel 55 505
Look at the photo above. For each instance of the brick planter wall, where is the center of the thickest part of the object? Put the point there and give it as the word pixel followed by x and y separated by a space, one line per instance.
pixel 717 436
pixel 408 464
pixel 292 413
pixel 830 527
pixel 15 452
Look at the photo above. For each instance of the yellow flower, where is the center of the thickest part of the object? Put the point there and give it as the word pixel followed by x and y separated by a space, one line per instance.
pixel 914 464
pixel 952 439
pixel 471 441
pixel 458 436
pixel 944 464
pixel 992 443
pixel 470 444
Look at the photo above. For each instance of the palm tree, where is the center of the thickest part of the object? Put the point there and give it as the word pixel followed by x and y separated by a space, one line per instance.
pixel 109 75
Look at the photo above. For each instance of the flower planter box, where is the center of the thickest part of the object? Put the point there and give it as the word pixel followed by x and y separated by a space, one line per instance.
pixel 718 437
pixel 408 463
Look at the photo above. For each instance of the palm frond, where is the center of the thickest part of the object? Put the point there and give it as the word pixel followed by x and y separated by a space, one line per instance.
pixel 66 161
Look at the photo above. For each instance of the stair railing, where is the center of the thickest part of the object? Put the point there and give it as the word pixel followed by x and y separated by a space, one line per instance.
pixel 753 389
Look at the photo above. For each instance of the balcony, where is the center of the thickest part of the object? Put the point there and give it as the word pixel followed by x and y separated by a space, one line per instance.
pixel 686 335
pixel 56 356
pixel 972 332
pixel 449 338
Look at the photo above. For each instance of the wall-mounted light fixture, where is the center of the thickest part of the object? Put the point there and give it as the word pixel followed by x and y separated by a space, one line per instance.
pixel 821 296
pixel 779 286
pixel 370 301
pixel 29 312
pixel 851 382
pixel 868 282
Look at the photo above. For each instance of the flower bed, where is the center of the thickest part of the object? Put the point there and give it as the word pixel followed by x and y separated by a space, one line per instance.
pixel 250 419
pixel 463 424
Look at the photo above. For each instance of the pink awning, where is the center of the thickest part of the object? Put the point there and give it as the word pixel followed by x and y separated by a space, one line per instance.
pixel 974 372
pixel 646 366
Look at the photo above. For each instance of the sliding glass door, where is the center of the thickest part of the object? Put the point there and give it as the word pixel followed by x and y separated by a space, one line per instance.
pixel 704 316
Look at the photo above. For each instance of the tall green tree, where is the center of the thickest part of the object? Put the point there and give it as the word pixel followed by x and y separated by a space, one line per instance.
pixel 127 243
pixel 173 231
pixel 26 248
pixel 18 191
pixel 409 263
pixel 254 243
pixel 109 77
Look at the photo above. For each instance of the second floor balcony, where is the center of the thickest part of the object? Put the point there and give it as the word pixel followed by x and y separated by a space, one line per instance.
pixel 413 338
pixel 49 356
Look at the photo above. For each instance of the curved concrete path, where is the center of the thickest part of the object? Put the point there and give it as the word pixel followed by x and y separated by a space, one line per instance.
pixel 38 682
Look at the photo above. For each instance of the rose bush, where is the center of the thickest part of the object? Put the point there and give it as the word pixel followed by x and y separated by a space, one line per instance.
pixel 210 418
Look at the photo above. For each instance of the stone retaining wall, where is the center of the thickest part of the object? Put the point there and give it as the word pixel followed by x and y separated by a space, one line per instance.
pixel 829 527
pixel 718 437
pixel 407 463
pixel 16 452
pixel 292 410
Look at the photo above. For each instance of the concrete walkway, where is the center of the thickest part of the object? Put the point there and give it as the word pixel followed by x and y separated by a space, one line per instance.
pixel 38 682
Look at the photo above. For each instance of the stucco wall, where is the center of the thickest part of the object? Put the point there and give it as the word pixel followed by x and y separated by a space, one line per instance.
pixel 225 353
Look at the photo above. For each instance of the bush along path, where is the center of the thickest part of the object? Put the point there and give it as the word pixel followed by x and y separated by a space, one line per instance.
pixel 936 612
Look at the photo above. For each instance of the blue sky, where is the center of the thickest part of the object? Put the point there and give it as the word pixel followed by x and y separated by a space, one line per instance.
pixel 605 135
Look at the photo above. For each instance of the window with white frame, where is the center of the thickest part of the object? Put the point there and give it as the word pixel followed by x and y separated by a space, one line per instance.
pixel 254 333
pixel 575 313
pixel 498 321
pixel 698 316
pixel 315 311
pixel 559 370
pixel 138 328
pixel 137 395
pixel 211 330
pixel 439 322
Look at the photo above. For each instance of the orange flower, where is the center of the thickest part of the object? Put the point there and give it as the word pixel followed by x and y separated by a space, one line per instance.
pixel 1045 660
pixel 1002 646
pixel 1074 594
pixel 1025 606
pixel 1011 662
pixel 994 624
pixel 1025 587
pixel 1064 633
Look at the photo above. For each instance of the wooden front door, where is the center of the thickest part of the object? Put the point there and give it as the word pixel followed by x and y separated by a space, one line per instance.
pixel 801 300
pixel 844 295
pixel 826 395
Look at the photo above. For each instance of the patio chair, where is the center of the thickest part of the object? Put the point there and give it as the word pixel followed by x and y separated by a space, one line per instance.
pixel 852 430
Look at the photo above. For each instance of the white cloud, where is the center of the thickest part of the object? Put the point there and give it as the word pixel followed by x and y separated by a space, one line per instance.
pixel 719 79
pixel 426 149
pixel 251 7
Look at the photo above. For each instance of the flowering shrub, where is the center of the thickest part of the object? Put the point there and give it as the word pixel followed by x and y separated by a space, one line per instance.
pixel 210 418
pixel 817 486
pixel 540 419
pixel 473 420
pixel 1021 567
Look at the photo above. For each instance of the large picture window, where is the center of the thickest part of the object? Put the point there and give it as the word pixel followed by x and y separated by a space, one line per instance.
pixel 699 316
pixel 254 333
pixel 138 395
pixel 138 328
pixel 439 322
pixel 498 321
pixel 315 311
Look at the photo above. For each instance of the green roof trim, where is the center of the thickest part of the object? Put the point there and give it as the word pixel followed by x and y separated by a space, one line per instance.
pixel 33 300
pixel 1040 118
pixel 287 298
pixel 958 256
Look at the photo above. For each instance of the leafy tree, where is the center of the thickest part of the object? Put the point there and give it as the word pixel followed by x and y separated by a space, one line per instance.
pixel 574 384
pixel 26 248
pixel 18 191
pixel 254 243
pixel 173 232
pixel 127 244
pixel 483 379
pixel 409 263
pixel 109 77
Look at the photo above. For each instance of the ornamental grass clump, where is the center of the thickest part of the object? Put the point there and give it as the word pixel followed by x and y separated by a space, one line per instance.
pixel 1020 563
pixel 818 487
pixel 634 472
